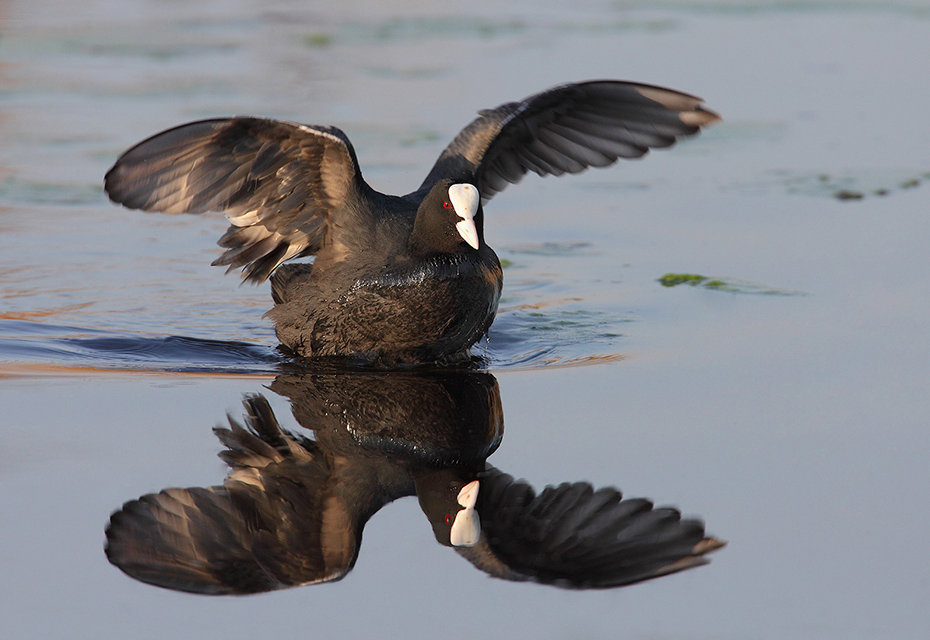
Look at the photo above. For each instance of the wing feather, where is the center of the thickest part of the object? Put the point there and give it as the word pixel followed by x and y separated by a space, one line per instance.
pixel 566 130
pixel 573 536
pixel 288 183
pixel 274 523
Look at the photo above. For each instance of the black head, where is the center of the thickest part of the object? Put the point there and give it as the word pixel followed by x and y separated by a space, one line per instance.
pixel 448 497
pixel 445 220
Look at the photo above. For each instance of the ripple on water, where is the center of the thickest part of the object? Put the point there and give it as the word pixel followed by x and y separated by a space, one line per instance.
pixel 544 320
pixel 33 344
pixel 522 337
pixel 542 337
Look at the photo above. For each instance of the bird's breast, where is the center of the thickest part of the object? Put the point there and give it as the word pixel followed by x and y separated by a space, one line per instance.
pixel 441 268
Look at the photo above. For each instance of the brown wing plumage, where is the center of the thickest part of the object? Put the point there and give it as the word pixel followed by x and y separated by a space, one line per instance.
pixel 289 189
pixel 575 537
pixel 280 184
pixel 273 524
pixel 566 130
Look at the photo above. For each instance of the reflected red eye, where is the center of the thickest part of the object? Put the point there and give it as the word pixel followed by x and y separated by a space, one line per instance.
pixel 447 205
pixel 448 518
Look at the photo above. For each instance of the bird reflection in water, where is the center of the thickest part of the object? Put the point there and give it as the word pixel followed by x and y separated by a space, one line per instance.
pixel 292 509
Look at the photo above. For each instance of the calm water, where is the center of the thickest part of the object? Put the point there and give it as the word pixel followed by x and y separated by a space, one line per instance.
pixel 788 409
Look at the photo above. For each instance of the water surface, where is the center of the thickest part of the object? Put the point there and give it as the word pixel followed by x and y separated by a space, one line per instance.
pixel 794 425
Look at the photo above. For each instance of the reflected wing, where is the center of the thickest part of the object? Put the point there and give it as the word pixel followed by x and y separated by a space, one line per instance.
pixel 280 184
pixel 275 522
pixel 566 130
pixel 575 537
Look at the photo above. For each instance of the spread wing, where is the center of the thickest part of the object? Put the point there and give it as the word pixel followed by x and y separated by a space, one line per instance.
pixel 566 130
pixel 281 184
pixel 274 523
pixel 575 537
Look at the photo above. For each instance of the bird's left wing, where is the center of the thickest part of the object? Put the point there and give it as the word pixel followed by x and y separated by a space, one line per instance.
pixel 567 129
pixel 575 537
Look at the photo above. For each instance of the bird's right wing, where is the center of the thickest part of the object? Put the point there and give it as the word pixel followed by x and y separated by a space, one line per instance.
pixel 273 524
pixel 284 186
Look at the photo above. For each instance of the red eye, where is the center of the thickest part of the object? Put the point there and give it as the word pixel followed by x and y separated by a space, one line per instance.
pixel 448 518
pixel 447 205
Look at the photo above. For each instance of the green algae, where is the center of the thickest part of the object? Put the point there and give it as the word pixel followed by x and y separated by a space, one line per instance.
pixel 728 285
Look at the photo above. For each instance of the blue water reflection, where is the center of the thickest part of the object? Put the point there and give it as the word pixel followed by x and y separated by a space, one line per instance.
pixel 292 508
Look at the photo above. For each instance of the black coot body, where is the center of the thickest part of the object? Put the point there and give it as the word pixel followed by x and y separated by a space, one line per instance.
pixel 294 504
pixel 395 279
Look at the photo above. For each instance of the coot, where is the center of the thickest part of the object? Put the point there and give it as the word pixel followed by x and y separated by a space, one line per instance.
pixel 395 279
pixel 294 505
